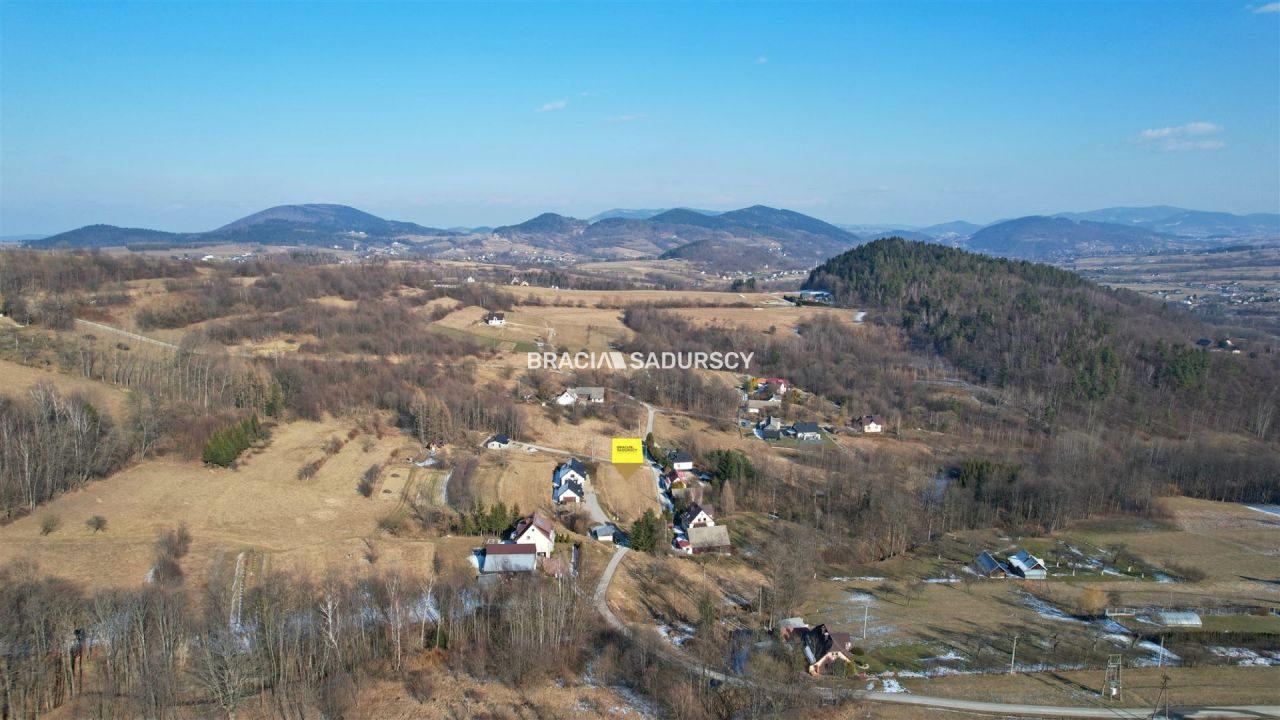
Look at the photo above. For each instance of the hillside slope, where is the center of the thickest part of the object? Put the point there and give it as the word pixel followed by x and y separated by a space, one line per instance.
pixel 1013 323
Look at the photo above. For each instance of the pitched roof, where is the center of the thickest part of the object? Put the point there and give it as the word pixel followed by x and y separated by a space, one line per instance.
pixel 510 549
pixel 680 456
pixel 691 513
pixel 591 393
pixel 538 520
pixel 714 536
pixel 868 419
pixel 987 563
pixel 575 465
pixel 570 485
pixel 806 427
pixel 500 439
pixel 1024 561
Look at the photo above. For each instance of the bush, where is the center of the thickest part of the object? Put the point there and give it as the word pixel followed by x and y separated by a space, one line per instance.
pixel 97 523
pixel 308 471
pixel 49 523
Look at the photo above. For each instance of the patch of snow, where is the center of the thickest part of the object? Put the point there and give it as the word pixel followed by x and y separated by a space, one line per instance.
pixel 1267 509
pixel 1047 611
pixel 676 634
pixel 474 559
pixel 861 598
pixel 936 581
pixel 1112 626
pixel 948 656
pixel 1244 656
pixel 858 578
pixel 891 685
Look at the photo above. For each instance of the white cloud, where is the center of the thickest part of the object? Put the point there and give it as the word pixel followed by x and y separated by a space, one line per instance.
pixel 630 118
pixel 553 105
pixel 1268 8
pixel 762 60
pixel 1192 136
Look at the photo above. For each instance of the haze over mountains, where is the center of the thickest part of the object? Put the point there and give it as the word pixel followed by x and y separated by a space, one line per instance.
pixel 753 237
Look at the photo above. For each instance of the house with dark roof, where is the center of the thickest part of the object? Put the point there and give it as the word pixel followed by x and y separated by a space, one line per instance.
pixel 871 423
pixel 808 431
pixel 498 442
pixel 680 460
pixel 824 648
pixel 571 469
pixel 988 566
pixel 697 516
pixel 568 491
pixel 495 319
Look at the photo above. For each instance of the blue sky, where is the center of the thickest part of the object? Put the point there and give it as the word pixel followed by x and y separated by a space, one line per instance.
pixel 184 116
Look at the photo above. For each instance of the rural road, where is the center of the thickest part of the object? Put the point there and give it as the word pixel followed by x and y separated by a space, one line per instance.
pixel 126 333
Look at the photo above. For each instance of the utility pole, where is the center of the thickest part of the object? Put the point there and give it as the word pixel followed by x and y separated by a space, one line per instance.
pixel 1013 654
pixel 1160 658
pixel 865 609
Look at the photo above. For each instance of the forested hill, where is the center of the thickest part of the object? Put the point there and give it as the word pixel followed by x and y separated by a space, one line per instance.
pixel 1013 323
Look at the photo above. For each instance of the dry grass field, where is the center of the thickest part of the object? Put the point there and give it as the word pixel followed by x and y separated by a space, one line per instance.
pixel 625 498
pixel 516 478
pixel 647 590
pixel 303 525
pixel 17 378
pixel 586 328
pixel 784 318
pixel 622 298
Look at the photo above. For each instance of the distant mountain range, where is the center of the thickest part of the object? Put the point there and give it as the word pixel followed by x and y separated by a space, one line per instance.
pixel 315 224
pixel 752 238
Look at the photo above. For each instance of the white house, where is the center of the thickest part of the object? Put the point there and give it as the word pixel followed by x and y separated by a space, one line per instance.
pixel 697 516
pixel 680 460
pixel 568 397
pixel 509 558
pixel 568 491
pixel 1027 565
pixel 536 530
pixel 498 442
pixel 495 319
pixel 871 423
pixel 570 470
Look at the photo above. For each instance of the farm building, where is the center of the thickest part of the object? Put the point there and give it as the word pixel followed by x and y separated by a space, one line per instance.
pixel 605 532
pixel 988 566
pixel 708 538
pixel 510 557
pixel 1027 566
pixel 1178 618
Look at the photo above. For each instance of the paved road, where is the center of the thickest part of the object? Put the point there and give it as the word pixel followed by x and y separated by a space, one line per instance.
pixel 602 592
